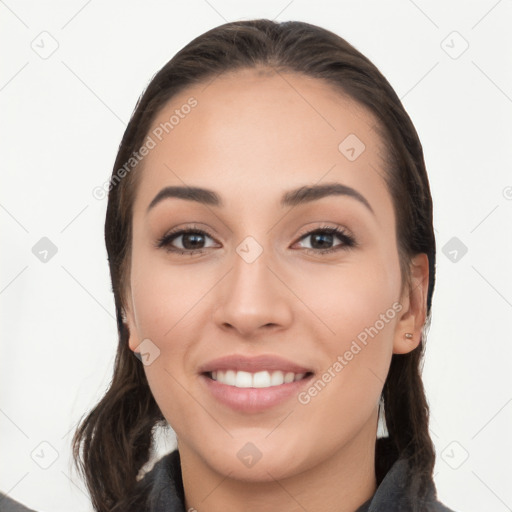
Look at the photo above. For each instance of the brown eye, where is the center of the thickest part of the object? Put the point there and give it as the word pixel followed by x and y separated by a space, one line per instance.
pixel 191 240
pixel 323 238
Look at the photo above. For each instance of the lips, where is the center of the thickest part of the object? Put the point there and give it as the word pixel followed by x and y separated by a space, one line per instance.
pixel 253 384
pixel 254 364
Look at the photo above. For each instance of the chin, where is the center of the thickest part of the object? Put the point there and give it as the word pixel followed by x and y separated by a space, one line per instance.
pixel 258 461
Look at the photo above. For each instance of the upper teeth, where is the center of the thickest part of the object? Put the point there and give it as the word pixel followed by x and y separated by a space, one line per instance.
pixel 263 379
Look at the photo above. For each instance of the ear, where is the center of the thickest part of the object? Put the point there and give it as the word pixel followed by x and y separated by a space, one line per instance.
pixel 414 307
pixel 129 321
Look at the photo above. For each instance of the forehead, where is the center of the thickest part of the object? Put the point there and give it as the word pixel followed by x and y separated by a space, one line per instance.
pixel 252 134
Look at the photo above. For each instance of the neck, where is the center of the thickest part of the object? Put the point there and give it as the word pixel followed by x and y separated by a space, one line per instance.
pixel 340 483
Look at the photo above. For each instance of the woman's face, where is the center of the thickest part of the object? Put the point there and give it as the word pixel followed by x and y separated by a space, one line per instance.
pixel 260 295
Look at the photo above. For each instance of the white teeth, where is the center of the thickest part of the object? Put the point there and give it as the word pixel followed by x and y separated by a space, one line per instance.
pixel 277 378
pixel 243 380
pixel 289 377
pixel 263 379
pixel 230 377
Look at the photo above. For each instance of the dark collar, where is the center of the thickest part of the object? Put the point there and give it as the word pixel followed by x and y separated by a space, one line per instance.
pixel 397 491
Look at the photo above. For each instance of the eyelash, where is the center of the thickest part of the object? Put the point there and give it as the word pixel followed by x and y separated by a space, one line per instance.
pixel 348 241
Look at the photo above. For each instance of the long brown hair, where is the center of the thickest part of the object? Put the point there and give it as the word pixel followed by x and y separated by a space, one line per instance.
pixel 115 439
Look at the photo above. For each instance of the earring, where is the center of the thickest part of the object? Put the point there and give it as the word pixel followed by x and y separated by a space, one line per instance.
pixel 408 335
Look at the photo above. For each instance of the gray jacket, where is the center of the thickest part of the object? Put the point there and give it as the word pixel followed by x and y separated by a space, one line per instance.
pixel 161 490
pixel 396 493
pixel 9 505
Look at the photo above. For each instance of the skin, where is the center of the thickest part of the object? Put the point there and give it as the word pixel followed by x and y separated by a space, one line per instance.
pixel 252 137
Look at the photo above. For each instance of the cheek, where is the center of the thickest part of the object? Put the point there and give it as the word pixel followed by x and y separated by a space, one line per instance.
pixel 166 304
pixel 347 299
pixel 361 311
pixel 163 297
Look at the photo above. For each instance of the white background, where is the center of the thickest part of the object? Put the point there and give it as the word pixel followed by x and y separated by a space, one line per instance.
pixel 63 118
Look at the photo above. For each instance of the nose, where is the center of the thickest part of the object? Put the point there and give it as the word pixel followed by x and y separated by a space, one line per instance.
pixel 253 298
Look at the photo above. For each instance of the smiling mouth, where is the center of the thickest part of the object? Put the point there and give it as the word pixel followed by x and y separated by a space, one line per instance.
pixel 262 379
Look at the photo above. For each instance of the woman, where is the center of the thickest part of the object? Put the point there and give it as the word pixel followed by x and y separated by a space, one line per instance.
pixel 272 254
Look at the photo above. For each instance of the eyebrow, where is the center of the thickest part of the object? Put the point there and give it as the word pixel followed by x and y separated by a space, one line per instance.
pixel 301 195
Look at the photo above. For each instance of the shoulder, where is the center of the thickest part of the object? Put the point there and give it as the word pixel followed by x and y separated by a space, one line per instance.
pixel 404 488
pixel 161 488
pixel 437 506
pixel 9 505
